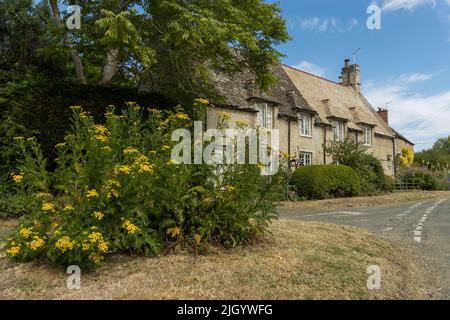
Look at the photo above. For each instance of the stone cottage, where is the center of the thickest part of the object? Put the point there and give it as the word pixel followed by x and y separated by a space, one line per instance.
pixel 310 111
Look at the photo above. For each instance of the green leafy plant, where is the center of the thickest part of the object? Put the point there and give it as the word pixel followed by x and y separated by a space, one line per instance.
pixel 117 190
pixel 324 181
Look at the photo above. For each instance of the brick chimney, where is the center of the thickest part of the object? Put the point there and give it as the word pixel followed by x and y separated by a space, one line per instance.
pixel 384 114
pixel 350 76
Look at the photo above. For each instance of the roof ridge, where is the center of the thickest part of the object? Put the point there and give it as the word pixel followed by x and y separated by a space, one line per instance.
pixel 311 74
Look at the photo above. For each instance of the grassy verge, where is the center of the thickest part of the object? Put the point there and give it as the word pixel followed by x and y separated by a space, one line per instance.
pixel 301 260
pixel 366 201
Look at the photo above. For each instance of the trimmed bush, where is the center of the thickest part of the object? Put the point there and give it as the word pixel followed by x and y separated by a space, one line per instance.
pixel 324 181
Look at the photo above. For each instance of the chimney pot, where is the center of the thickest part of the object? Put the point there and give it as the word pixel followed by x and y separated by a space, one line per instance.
pixel 347 62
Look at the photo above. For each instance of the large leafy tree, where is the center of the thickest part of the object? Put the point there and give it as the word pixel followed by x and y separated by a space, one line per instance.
pixel 438 157
pixel 178 43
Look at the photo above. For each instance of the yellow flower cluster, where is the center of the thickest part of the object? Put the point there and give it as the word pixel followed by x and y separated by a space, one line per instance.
pixel 130 150
pixel 95 237
pixel 102 132
pixel 95 257
pixel 230 188
pixel 64 244
pixel 36 243
pixel 13 251
pixel 146 167
pixel 17 178
pixel 174 232
pixel 98 215
pixel 182 116
pixel 171 162
pixel 103 246
pixel 92 193
pixel 48 206
pixel 224 115
pixel 241 124
pixel 202 101
pixel 26 232
pixel 124 169
pixel 130 227
pixel 68 207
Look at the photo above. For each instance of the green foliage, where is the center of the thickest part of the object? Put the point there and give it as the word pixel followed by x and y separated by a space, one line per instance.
pixel 389 184
pixel 320 182
pixel 116 190
pixel 425 179
pixel 368 168
pixel 436 158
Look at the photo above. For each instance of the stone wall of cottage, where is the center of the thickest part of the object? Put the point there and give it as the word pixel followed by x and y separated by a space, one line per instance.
pixel 382 147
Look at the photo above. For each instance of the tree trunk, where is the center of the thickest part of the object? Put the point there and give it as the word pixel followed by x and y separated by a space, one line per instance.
pixel 79 69
pixel 110 68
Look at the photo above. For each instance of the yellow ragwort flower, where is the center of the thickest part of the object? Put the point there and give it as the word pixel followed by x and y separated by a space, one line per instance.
pixel 26 232
pixel 202 101
pixel 145 167
pixel 171 162
pixel 68 207
pixel 224 115
pixel 124 169
pixel 103 246
pixel 174 232
pixel 95 237
pixel 130 150
pixel 85 246
pixel 92 194
pixel 36 243
pixel 95 257
pixel 102 130
pixel 48 206
pixel 17 178
pixel 98 215
pixel 13 251
pixel 130 227
pixel 64 244
pixel 230 188
pixel 182 116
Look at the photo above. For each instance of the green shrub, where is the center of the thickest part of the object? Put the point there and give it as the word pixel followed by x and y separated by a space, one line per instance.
pixel 116 190
pixel 369 168
pixel 389 183
pixel 320 182
pixel 421 178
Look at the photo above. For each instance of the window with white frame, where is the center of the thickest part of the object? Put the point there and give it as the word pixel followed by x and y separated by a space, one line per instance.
pixel 339 130
pixel 367 135
pixel 265 115
pixel 304 122
pixel 305 158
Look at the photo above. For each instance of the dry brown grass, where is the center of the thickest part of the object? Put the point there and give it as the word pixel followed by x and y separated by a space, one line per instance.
pixel 367 201
pixel 302 260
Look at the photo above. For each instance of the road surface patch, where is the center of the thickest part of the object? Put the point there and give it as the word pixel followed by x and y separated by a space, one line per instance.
pixel 419 228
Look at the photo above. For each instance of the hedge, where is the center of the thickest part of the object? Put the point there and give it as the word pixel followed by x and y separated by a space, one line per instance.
pixel 324 181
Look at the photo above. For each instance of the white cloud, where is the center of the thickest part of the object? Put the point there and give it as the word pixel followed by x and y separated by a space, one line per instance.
pixel 415 77
pixel 394 5
pixel 311 68
pixel 421 118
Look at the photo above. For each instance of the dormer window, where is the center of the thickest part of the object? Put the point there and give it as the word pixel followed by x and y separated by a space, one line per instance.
pixel 339 130
pixel 265 115
pixel 304 123
pixel 367 131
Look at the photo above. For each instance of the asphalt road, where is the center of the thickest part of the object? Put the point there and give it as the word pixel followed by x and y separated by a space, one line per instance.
pixel 422 225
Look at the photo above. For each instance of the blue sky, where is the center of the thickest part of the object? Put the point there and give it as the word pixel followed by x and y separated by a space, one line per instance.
pixel 406 62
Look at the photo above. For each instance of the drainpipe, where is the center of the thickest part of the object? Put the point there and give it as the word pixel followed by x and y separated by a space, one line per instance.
pixel 394 158
pixel 289 139
pixel 324 145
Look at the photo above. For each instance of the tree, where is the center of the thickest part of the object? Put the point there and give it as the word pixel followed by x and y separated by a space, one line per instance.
pixel 177 42
pixel 436 158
